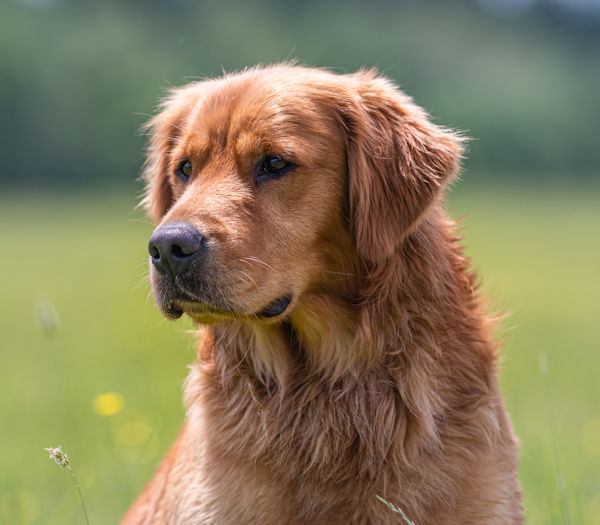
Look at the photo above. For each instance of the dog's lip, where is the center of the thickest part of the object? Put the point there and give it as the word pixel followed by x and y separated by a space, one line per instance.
pixel 185 302
pixel 172 310
pixel 273 309
pixel 182 301
pixel 276 308
pixel 198 307
pixel 176 308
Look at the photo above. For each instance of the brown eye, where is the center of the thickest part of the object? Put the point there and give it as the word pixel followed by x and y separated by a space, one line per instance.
pixel 272 167
pixel 184 171
pixel 274 164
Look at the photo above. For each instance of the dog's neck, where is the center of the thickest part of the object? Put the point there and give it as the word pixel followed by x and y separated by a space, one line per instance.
pixel 317 340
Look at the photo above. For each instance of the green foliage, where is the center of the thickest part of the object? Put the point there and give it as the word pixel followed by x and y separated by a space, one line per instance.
pixel 78 78
pixel 88 362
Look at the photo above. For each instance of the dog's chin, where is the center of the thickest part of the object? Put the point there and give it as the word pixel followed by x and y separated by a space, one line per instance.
pixel 203 313
pixel 199 311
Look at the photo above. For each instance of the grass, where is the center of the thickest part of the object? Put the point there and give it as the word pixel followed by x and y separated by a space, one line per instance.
pixel 88 362
pixel 62 460
pixel 395 509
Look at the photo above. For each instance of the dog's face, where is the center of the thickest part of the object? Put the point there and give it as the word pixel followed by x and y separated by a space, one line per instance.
pixel 267 184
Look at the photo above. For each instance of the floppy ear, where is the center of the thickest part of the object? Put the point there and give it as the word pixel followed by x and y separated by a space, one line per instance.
pixel 164 130
pixel 398 162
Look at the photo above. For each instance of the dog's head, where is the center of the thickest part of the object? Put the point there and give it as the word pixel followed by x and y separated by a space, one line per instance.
pixel 267 184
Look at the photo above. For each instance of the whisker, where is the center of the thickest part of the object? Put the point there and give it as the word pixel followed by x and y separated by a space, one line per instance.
pixel 247 275
pixel 242 279
pixel 139 219
pixel 145 279
pixel 138 265
pixel 259 261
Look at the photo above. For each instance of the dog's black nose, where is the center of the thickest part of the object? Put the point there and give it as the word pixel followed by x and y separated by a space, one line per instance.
pixel 174 246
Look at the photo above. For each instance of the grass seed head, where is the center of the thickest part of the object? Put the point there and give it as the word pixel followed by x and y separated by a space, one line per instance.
pixel 59 457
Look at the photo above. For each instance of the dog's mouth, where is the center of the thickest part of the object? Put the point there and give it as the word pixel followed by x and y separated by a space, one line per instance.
pixel 276 308
pixel 208 312
pixel 174 299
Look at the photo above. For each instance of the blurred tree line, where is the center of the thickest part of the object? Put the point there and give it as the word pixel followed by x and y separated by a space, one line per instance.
pixel 78 77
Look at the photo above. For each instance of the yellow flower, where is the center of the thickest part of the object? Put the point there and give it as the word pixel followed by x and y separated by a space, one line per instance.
pixel 108 404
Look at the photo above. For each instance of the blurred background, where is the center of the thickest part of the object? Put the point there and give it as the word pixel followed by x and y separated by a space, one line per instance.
pixel 87 362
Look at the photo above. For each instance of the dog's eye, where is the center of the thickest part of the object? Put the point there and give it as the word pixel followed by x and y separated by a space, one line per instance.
pixel 273 164
pixel 272 167
pixel 184 171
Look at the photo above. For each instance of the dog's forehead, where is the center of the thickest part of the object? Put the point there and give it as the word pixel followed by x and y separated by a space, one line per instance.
pixel 250 111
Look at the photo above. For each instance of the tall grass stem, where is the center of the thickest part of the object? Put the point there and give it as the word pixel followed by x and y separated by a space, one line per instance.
pixel 560 477
pixel 60 458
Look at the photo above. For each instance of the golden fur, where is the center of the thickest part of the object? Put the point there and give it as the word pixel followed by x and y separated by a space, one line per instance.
pixel 380 376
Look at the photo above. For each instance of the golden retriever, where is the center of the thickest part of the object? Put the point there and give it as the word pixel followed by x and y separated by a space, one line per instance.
pixel 346 352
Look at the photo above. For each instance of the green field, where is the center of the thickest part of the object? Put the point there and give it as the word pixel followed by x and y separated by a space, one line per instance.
pixel 76 322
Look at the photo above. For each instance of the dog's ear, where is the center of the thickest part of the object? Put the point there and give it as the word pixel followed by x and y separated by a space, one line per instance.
pixel 398 162
pixel 163 130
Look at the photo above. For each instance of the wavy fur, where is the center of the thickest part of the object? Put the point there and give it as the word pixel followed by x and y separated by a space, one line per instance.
pixel 381 376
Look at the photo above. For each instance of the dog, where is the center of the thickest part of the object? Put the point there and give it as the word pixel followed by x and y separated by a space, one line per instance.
pixel 345 352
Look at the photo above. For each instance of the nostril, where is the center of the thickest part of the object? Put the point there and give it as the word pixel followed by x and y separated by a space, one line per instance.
pixel 177 251
pixel 154 253
pixel 187 245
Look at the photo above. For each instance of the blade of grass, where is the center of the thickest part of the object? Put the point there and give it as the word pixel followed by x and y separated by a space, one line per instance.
pixel 397 510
